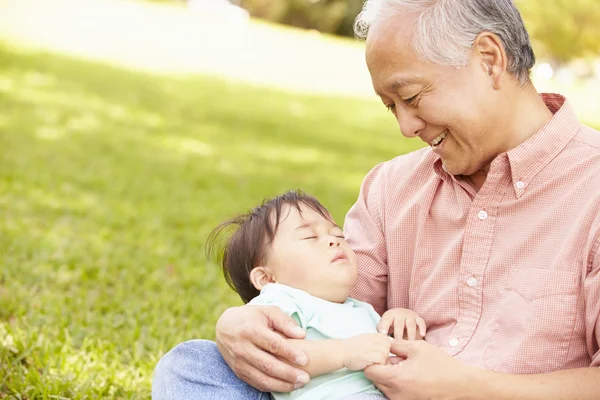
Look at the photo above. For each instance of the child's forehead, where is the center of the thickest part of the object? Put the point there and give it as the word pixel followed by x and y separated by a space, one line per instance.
pixel 293 217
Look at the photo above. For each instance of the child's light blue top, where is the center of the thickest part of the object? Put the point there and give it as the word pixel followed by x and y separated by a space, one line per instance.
pixel 323 319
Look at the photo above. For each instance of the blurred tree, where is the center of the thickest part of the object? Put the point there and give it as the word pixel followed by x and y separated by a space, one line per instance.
pixel 563 29
pixel 346 27
pixel 323 15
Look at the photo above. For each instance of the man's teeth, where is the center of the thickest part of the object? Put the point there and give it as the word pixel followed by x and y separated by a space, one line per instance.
pixel 439 139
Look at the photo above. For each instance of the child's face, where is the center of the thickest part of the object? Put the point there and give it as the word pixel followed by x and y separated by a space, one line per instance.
pixel 309 252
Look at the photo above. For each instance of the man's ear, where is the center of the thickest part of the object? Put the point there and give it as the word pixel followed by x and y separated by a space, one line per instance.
pixel 492 54
pixel 260 276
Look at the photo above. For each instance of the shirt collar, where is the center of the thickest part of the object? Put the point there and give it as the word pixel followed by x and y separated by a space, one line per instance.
pixel 531 156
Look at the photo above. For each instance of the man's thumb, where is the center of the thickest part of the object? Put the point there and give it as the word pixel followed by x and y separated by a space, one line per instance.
pixel 283 323
pixel 403 348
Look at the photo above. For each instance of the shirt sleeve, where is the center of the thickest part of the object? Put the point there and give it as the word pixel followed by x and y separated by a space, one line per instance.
pixel 592 301
pixel 288 303
pixel 363 229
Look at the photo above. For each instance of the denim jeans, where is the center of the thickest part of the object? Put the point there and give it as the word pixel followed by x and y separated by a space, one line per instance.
pixel 195 370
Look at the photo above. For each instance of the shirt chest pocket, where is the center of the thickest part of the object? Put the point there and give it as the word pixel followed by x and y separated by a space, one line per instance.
pixel 534 323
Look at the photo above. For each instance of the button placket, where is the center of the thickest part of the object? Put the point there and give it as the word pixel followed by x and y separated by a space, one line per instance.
pixel 478 239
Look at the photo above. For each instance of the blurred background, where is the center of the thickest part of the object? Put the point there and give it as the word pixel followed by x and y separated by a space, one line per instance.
pixel 129 129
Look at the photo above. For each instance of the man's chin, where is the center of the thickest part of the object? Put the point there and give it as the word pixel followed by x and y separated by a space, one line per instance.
pixel 452 168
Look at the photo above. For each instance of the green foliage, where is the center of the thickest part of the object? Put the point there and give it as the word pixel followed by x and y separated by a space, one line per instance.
pixel 331 16
pixel 563 29
pixel 110 182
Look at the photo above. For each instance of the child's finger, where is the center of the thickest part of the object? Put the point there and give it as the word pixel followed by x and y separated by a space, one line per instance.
pixel 411 329
pixel 422 326
pixel 384 325
pixel 399 327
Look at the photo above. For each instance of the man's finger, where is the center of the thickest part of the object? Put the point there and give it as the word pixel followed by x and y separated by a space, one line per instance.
pixel 384 325
pixel 268 364
pixel 276 344
pixel 380 374
pixel 393 360
pixel 266 383
pixel 280 321
pixel 404 348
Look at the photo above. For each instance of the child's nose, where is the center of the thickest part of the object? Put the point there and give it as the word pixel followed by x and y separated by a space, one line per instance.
pixel 334 242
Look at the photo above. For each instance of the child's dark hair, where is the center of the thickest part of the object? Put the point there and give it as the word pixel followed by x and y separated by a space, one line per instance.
pixel 246 247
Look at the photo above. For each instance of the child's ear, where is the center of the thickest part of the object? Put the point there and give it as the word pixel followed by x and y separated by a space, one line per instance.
pixel 260 276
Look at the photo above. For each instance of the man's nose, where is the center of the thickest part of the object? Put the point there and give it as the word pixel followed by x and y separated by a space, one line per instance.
pixel 410 124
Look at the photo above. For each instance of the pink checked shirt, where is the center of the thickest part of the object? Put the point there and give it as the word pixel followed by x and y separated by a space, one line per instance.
pixel 507 278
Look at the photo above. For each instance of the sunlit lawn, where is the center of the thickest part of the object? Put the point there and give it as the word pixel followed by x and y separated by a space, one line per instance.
pixel 110 182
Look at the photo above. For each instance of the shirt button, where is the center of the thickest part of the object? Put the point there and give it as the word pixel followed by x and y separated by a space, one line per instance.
pixel 520 185
pixel 454 342
pixel 472 282
pixel 482 215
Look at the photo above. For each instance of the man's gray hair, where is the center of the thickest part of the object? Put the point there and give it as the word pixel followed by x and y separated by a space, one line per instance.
pixel 446 29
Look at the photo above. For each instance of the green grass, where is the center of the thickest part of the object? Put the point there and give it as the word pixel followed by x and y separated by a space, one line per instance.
pixel 110 182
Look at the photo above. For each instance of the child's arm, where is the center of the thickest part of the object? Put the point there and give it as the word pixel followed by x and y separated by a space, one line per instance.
pixel 355 353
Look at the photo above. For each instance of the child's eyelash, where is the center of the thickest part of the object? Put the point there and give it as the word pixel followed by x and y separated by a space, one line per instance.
pixel 315 237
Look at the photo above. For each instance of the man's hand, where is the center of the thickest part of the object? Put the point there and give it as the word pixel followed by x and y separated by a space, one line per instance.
pixel 361 351
pixel 400 319
pixel 420 372
pixel 252 342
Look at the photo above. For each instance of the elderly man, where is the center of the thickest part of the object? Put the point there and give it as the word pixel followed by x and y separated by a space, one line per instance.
pixel 491 233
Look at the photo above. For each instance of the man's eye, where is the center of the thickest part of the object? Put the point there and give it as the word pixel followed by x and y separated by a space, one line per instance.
pixel 391 107
pixel 411 101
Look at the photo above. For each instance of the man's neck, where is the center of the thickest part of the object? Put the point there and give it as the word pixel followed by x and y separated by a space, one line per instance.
pixel 526 114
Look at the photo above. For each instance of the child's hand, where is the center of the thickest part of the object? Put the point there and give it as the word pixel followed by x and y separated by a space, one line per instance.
pixel 400 318
pixel 361 351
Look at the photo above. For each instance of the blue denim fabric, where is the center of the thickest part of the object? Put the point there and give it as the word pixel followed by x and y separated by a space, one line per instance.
pixel 195 370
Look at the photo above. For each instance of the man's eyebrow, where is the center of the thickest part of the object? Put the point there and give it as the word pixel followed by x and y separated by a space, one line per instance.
pixel 400 82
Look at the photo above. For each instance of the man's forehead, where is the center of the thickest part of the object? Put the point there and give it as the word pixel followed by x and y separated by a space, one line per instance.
pixel 391 31
pixel 390 57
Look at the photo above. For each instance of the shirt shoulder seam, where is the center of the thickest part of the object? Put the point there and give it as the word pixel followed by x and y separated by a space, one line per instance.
pixel 577 139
